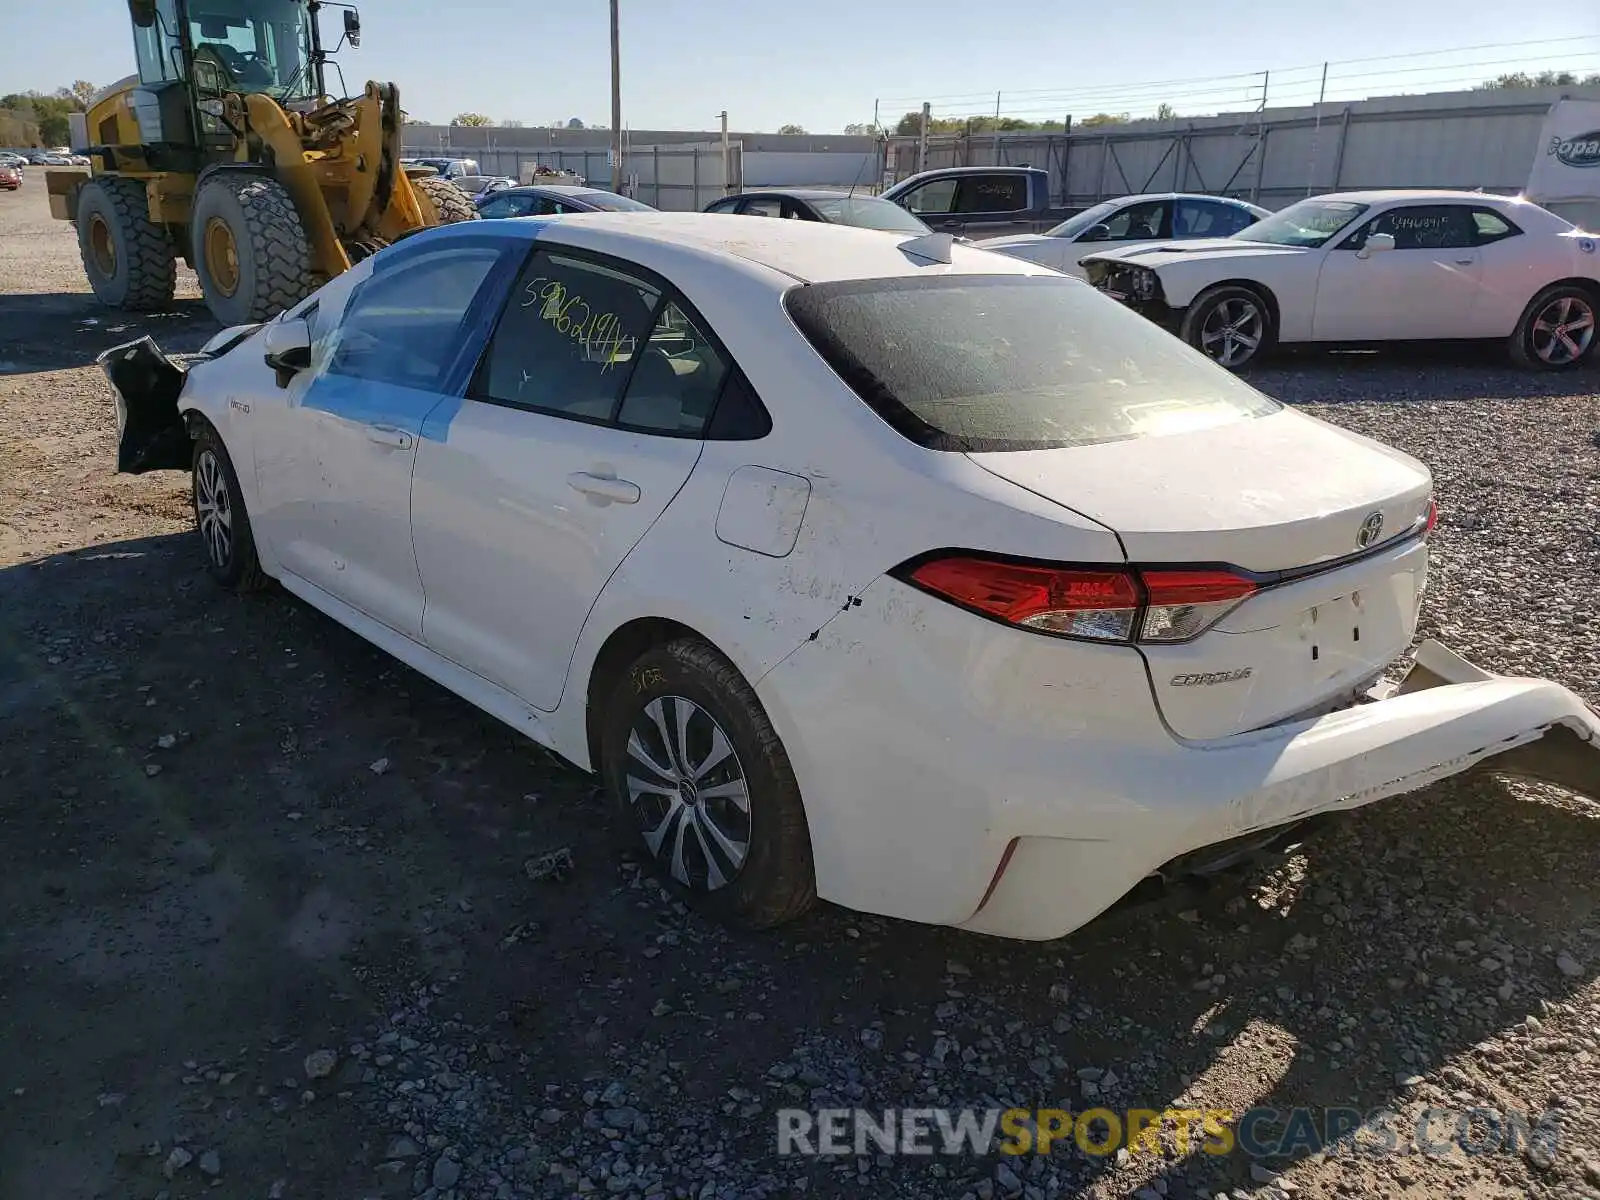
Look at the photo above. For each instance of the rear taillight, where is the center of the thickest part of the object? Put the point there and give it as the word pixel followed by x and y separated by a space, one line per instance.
pixel 1182 604
pixel 1433 517
pixel 1102 604
pixel 1092 604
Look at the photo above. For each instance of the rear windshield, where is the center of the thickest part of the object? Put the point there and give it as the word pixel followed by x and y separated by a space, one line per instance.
pixel 1010 362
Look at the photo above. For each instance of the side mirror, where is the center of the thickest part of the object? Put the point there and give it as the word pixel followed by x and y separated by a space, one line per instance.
pixel 352 26
pixel 1377 243
pixel 1096 233
pixel 288 349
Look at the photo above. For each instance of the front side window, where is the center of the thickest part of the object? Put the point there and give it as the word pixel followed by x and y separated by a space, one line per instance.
pixel 611 202
pixel 935 196
pixel 763 206
pixel 1420 227
pixel 1140 222
pixel 506 206
pixel 867 212
pixel 404 325
pixel 1309 223
pixel 568 337
pixel 1006 362
pixel 992 194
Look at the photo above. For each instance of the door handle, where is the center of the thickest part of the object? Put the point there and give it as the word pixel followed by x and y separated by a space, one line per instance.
pixel 388 435
pixel 604 487
pixel 1465 262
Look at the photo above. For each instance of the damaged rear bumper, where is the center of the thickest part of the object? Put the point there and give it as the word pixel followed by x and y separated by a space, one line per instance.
pixel 1250 793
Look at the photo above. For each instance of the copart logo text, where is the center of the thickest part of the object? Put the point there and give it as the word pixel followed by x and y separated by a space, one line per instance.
pixel 1580 151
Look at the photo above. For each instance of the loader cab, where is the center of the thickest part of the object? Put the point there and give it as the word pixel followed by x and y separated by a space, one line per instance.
pixel 192 53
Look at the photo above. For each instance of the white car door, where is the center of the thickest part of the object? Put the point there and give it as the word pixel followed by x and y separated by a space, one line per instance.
pixel 582 423
pixel 1425 287
pixel 333 462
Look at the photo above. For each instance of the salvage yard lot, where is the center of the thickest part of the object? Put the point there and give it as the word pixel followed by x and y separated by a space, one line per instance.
pixel 239 837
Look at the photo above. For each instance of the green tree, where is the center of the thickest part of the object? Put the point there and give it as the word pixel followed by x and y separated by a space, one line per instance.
pixel 471 119
pixel 1165 112
pixel 1104 119
pixel 82 91
pixel 791 129
pixel 1521 79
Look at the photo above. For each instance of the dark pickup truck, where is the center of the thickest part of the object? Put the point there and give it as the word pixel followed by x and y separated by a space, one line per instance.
pixel 980 202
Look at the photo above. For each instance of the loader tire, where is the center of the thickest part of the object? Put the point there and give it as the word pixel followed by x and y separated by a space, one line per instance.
pixel 445 201
pixel 129 259
pixel 251 250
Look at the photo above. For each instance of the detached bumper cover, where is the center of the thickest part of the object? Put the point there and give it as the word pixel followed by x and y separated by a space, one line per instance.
pixel 1445 718
pixel 145 384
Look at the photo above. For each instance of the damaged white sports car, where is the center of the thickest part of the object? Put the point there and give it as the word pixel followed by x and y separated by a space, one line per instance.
pixel 886 570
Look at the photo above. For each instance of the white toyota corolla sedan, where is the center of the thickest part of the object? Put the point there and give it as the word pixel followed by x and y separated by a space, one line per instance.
pixel 1356 268
pixel 881 569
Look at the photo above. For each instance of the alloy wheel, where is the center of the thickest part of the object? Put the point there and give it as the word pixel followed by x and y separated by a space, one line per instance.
pixel 213 509
pixel 688 792
pixel 1563 330
pixel 1232 331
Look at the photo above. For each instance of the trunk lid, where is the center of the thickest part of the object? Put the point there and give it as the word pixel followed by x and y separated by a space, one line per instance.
pixel 1285 499
pixel 1269 494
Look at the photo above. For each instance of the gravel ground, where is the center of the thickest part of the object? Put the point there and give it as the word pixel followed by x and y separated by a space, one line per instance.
pixel 285 919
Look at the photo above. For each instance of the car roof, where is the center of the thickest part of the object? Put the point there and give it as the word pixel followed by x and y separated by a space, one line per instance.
pixel 557 189
pixel 803 193
pixel 1235 200
pixel 1385 196
pixel 807 251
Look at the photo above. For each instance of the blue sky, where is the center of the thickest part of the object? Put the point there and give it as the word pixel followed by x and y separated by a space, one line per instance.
pixel 822 63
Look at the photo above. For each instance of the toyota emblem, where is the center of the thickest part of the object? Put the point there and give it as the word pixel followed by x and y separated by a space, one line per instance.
pixel 1371 527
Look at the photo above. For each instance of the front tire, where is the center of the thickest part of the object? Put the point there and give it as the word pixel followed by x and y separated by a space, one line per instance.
pixel 128 258
pixel 696 772
pixel 251 250
pixel 444 200
pixel 221 519
pixel 1229 324
pixel 1557 329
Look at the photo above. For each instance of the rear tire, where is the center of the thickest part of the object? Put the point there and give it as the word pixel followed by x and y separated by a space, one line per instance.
pixel 250 247
pixel 1231 325
pixel 446 203
pixel 683 704
pixel 1557 329
pixel 128 258
pixel 221 519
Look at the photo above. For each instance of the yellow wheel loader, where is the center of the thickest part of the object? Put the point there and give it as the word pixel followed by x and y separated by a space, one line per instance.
pixel 227 150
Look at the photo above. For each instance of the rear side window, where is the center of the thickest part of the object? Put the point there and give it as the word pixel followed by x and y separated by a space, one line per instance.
pixel 992 194
pixel 1004 362
pixel 567 339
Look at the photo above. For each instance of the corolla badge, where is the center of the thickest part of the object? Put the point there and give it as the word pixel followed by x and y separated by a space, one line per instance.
pixel 1580 151
pixel 1371 527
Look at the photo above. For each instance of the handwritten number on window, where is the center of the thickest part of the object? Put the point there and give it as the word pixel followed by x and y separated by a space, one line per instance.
pixel 601 334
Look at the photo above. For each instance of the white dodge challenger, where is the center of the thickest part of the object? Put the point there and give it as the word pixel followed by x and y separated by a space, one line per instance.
pixel 882 569
pixel 1356 268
